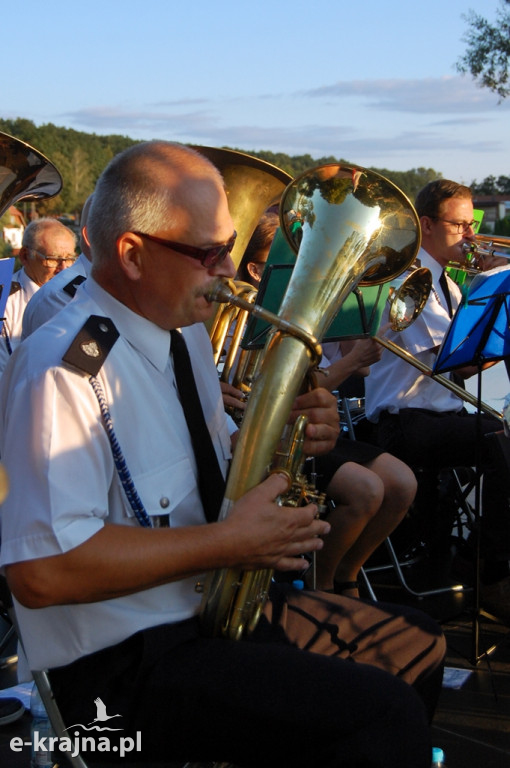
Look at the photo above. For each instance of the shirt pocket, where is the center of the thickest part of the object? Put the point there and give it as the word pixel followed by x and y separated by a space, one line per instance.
pixel 166 488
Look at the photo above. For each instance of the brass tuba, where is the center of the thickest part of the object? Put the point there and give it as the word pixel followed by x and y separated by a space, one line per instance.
pixel 252 185
pixel 25 173
pixel 349 225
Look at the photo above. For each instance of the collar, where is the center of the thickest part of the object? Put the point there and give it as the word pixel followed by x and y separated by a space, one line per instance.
pixel 149 339
pixel 430 263
pixel 84 264
pixel 25 281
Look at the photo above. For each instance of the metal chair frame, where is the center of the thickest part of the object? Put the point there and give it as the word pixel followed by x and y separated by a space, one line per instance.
pixel 348 424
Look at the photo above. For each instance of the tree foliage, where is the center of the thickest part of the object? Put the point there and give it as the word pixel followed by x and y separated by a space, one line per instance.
pixel 492 186
pixel 81 157
pixel 488 50
pixel 410 182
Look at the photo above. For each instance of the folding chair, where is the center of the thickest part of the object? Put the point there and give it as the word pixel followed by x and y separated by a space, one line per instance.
pixel 461 480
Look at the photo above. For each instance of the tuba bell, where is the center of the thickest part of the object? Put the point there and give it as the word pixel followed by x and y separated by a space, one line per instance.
pixel 348 225
pixel 25 173
pixel 252 185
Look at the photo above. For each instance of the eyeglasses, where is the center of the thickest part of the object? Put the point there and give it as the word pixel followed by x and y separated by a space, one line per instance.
pixel 462 226
pixel 54 261
pixel 208 257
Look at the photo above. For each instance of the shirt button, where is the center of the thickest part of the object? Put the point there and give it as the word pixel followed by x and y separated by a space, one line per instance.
pixel 164 502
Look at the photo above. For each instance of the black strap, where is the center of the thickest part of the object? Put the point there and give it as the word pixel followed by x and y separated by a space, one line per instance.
pixel 443 282
pixel 210 479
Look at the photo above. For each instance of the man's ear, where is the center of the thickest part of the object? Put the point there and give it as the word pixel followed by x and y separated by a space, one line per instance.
pixel 23 255
pixel 85 235
pixel 253 271
pixel 129 253
pixel 425 223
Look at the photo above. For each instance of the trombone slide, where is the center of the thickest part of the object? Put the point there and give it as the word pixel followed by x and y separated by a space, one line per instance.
pixel 446 382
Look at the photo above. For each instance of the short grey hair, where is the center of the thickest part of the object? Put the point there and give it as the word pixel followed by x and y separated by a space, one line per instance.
pixel 130 198
pixel 34 230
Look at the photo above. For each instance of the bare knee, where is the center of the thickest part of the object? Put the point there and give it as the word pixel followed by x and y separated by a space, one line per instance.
pixel 358 488
pixel 399 481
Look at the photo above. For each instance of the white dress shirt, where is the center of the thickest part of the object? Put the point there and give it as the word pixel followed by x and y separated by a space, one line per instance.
pixel 64 485
pixel 14 310
pixel 394 383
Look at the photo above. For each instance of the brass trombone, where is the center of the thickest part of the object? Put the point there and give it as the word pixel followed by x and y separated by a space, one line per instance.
pixel 406 303
pixel 486 246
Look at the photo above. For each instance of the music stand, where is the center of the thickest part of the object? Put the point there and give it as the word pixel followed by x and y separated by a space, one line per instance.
pixel 479 333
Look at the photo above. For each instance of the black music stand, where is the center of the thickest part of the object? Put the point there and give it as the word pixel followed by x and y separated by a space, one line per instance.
pixel 479 333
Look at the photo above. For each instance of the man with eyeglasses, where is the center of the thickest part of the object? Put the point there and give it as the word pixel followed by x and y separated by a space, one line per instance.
pixel 59 291
pixel 427 425
pixel 47 248
pixel 104 547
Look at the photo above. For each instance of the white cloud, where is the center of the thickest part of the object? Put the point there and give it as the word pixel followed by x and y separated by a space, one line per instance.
pixel 427 95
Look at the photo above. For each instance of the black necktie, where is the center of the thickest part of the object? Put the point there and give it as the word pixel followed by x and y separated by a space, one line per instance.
pixel 443 282
pixel 210 479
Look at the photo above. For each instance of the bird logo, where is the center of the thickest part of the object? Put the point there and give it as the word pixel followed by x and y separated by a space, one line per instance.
pixel 101 717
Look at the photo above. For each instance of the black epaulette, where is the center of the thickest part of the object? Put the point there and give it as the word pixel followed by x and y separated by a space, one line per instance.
pixel 72 287
pixel 15 287
pixel 92 345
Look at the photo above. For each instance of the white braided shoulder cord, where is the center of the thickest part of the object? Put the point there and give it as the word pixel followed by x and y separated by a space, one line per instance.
pixel 125 477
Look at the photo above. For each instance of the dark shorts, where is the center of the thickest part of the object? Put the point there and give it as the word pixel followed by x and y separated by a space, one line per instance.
pixel 345 450
pixel 433 441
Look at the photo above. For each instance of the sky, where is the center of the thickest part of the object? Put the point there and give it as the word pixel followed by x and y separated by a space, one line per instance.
pixel 374 83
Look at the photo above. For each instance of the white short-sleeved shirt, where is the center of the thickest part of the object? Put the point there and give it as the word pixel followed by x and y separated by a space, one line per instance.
pixel 51 297
pixel 394 383
pixel 14 310
pixel 64 485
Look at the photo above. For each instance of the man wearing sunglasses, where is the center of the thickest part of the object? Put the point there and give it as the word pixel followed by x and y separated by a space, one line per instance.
pixel 48 247
pixel 104 564
pixel 427 425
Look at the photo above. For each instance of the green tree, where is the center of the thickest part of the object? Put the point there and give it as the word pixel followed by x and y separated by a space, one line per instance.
pixel 410 182
pixel 492 186
pixel 81 157
pixel 488 50
pixel 502 227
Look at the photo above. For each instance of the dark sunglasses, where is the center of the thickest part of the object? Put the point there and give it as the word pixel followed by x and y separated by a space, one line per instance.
pixel 208 257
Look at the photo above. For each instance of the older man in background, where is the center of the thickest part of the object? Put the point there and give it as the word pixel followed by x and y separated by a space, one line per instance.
pixel 48 247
